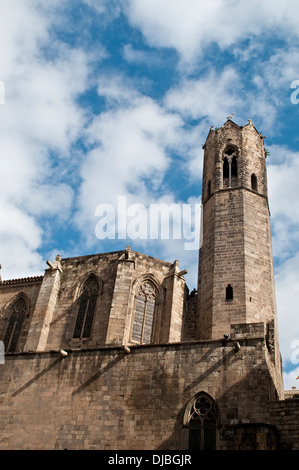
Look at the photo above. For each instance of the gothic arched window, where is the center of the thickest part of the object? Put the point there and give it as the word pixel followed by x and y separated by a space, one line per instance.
pixel 201 418
pixel 144 313
pixel 87 305
pixel 16 318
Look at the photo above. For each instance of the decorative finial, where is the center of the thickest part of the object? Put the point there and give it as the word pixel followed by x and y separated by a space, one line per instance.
pixel 128 252
pixel 230 117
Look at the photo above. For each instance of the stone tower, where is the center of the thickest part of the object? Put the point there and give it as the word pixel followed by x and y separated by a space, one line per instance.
pixel 236 279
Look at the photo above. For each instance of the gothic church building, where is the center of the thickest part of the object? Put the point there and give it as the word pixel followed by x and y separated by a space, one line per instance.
pixel 112 351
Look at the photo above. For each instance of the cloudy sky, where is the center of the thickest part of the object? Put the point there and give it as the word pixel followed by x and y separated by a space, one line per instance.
pixel 106 100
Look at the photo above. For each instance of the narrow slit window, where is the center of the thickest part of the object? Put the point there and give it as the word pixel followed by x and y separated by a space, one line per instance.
pixel 253 182
pixel 86 309
pixel 209 188
pixel 229 292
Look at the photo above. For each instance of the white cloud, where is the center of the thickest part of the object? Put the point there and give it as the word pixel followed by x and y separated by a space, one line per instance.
pixel 191 25
pixel 216 95
pixel 281 69
pixel 287 290
pixel 22 30
pixel 143 57
pixel 40 101
pixel 213 96
pixel 18 259
pixel 283 175
pixel 130 156
pixel 117 90
pixel 109 9
pixel 193 28
pixel 20 238
pixel 134 55
pixel 183 26
pixel 39 120
pixel 133 143
pixel 20 224
pixel 290 379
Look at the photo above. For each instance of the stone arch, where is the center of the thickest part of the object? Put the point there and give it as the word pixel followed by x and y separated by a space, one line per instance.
pixel 80 285
pixel 147 295
pixel 88 293
pixel 15 314
pixel 202 419
pixel 230 166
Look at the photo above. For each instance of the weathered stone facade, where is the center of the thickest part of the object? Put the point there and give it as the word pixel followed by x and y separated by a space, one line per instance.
pixel 112 351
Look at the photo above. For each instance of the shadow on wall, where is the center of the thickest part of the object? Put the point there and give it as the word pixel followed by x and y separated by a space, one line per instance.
pixel 245 401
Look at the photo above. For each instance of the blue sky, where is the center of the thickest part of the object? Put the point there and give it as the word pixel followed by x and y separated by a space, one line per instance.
pixel 115 98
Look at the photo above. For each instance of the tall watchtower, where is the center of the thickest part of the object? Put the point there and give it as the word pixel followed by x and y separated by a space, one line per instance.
pixel 236 279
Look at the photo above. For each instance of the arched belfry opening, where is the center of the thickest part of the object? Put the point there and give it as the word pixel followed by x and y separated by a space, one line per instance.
pixel 230 167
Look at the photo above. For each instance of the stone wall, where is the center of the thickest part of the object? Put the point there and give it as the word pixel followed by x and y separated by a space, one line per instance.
pixel 285 416
pixel 110 399
pixel 54 299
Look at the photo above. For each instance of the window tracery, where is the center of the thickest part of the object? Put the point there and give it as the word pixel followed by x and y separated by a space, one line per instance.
pixel 16 318
pixel 230 167
pixel 87 305
pixel 144 313
pixel 202 422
